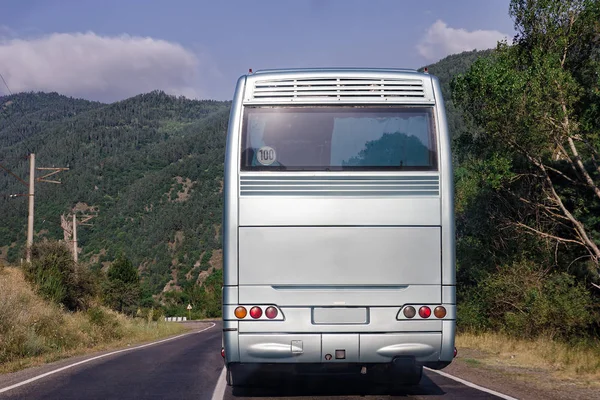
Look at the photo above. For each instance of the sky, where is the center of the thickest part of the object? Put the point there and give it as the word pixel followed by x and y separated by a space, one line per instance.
pixel 109 50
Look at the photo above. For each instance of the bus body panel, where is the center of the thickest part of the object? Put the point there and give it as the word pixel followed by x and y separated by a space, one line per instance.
pixel 329 211
pixel 339 255
pixel 448 223
pixel 382 294
pixel 230 339
pixel 230 189
pixel 446 190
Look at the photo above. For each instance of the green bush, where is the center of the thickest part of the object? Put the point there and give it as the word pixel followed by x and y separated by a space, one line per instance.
pixel 57 277
pixel 471 312
pixel 107 324
pixel 13 254
pixel 525 300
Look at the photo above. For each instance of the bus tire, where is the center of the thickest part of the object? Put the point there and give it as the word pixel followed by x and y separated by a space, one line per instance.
pixel 408 377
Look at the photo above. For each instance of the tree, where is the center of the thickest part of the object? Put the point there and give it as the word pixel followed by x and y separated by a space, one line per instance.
pixel 537 104
pixel 211 294
pixel 123 270
pixel 122 288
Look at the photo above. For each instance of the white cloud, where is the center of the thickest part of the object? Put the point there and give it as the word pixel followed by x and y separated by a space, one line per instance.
pixel 441 40
pixel 99 67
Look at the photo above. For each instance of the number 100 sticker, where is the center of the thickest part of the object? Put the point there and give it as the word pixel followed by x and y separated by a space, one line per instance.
pixel 266 155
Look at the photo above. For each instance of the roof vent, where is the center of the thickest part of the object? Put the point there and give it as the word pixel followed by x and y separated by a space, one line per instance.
pixel 338 88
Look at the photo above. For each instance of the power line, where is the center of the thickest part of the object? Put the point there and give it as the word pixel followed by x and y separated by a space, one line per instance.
pixel 8 197
pixel 5 84
pixel 50 171
pixel 10 119
pixel 13 174
pixel 11 93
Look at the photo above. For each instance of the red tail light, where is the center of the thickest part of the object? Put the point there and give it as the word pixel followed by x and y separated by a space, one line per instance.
pixel 223 352
pixel 255 312
pixel 271 312
pixel 424 312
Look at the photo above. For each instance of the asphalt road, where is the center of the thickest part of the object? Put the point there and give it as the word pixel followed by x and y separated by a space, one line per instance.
pixel 190 367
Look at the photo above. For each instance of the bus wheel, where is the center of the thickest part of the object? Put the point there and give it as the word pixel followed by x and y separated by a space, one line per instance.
pixel 407 377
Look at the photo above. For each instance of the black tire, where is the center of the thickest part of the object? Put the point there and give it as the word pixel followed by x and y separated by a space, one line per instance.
pixel 408 377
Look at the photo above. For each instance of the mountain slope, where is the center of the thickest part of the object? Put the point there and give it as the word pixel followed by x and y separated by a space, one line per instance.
pixel 445 70
pixel 129 160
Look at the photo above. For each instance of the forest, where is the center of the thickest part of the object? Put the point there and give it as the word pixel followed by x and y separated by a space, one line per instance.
pixel 149 169
pixel 525 124
pixel 527 176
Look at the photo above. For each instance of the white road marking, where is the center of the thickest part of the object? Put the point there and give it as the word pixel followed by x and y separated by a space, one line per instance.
pixel 472 385
pixel 220 387
pixel 35 378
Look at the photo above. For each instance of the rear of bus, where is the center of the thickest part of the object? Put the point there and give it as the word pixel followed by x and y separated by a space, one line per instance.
pixel 338 230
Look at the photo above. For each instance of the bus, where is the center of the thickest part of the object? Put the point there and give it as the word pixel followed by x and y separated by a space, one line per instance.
pixel 338 226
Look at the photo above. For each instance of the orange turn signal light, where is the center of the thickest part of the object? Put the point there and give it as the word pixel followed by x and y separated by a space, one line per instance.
pixel 439 312
pixel 240 312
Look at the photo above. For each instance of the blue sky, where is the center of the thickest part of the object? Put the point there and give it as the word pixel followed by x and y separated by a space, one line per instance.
pixel 108 50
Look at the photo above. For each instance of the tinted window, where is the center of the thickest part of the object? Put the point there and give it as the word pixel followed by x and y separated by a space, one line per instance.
pixel 338 138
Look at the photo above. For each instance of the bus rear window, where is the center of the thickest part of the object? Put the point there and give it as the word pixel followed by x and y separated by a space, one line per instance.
pixel 338 139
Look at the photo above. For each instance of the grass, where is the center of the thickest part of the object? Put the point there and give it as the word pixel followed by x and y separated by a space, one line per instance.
pixel 34 331
pixel 472 362
pixel 567 362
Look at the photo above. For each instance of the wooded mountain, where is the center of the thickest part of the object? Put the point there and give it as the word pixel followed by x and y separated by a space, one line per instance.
pixel 150 167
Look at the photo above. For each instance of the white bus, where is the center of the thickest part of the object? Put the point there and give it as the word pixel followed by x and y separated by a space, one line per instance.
pixel 338 228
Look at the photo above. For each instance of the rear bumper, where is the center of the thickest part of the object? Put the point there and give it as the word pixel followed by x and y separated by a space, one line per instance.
pixel 425 348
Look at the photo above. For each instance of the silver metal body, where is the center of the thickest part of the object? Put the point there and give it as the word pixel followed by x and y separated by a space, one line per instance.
pixel 339 253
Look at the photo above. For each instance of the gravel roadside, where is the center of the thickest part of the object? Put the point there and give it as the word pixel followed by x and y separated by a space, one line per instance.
pixel 522 383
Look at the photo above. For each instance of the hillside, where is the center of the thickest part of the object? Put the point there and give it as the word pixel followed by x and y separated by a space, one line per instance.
pixel 34 330
pixel 445 70
pixel 149 166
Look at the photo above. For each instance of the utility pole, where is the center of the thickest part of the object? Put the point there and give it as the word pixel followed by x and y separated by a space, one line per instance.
pixel 30 218
pixel 74 237
pixel 32 180
pixel 70 229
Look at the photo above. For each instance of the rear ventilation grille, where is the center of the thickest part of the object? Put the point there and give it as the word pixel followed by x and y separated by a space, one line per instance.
pixel 339 89
pixel 380 186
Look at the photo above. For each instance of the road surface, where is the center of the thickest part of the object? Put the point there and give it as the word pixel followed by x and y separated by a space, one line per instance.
pixel 191 367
